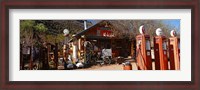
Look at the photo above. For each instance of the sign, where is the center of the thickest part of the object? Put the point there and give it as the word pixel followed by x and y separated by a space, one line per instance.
pixel 105 33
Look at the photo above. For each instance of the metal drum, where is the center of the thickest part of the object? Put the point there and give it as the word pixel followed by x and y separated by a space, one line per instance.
pixel 127 66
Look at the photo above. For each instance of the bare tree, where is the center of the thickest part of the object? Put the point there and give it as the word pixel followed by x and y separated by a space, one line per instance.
pixel 130 28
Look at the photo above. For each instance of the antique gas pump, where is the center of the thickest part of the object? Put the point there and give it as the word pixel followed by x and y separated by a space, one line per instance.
pixel 65 51
pixel 81 48
pixel 160 50
pixel 174 51
pixel 75 49
pixel 143 50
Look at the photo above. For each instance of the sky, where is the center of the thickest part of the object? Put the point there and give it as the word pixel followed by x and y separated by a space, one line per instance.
pixel 173 22
pixel 93 21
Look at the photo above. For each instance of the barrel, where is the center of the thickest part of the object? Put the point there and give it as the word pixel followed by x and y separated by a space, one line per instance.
pixel 127 66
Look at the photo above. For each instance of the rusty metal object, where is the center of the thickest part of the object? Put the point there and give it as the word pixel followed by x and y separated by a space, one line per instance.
pixel 127 66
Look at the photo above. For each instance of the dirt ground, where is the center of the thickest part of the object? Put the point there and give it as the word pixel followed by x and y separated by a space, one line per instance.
pixel 109 67
pixel 113 67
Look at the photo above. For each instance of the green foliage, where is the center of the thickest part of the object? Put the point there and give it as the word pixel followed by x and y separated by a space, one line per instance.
pixel 40 27
pixel 60 37
pixel 26 24
pixel 35 32
pixel 30 31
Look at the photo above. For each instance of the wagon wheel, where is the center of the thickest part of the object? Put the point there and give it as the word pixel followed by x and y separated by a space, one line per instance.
pixel 89 53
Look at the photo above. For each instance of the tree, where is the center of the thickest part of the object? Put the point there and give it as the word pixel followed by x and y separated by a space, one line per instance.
pixel 38 31
pixel 130 28
pixel 30 31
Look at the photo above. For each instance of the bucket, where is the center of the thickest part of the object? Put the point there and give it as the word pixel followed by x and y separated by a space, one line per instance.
pixel 127 66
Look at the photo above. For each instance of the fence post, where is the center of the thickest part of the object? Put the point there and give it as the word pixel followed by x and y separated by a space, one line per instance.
pixel 56 55
pixel 31 59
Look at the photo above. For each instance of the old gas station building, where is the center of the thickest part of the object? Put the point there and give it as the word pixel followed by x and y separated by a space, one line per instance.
pixel 101 35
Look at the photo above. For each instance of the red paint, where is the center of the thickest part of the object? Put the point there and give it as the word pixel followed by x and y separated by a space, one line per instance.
pixel 143 58
pixel 160 52
pixel 174 53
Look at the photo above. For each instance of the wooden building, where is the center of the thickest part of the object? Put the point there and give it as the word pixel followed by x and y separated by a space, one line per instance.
pixel 101 36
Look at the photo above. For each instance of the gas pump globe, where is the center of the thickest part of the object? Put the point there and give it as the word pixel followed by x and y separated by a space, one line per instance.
pixel 159 32
pixel 173 33
pixel 66 32
pixel 142 29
